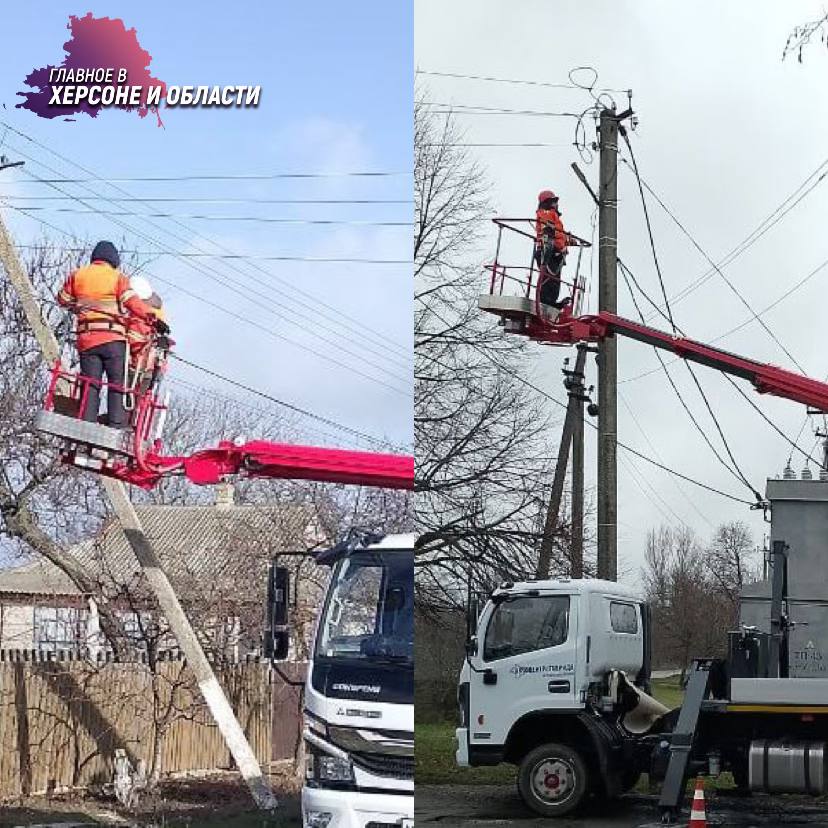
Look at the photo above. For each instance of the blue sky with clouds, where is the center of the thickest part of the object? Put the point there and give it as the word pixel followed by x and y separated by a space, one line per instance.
pixel 336 97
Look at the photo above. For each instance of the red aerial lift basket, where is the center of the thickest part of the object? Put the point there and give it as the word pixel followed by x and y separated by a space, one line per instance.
pixel 93 445
pixel 514 290
pixel 134 455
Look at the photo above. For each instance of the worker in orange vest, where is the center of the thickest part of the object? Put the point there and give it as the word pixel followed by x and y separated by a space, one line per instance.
pixel 551 243
pixel 100 295
pixel 142 336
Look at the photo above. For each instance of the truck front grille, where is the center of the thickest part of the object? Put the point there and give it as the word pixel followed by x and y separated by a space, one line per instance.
pixel 383 764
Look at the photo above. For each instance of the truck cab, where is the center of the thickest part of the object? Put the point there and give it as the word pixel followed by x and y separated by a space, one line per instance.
pixel 554 680
pixel 359 692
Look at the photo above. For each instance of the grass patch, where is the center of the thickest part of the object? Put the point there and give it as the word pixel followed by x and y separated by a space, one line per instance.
pixel 668 691
pixel 434 760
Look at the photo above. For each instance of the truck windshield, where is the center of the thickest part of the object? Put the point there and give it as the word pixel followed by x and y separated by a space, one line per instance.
pixel 526 623
pixel 370 609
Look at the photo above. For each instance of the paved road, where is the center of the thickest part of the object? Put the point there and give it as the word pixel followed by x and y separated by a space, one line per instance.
pixel 465 806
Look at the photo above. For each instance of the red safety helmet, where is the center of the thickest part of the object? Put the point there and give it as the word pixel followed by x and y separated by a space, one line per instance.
pixel 546 194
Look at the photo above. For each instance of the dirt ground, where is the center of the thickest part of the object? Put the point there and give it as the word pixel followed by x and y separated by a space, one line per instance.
pixel 195 803
pixel 456 806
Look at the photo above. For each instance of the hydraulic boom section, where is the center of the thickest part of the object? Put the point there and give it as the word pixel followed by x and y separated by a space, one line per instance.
pixel 514 297
pixel 561 328
pixel 765 378
pixel 134 455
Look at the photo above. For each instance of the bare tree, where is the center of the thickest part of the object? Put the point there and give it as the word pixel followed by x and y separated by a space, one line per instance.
pixel 690 616
pixel 483 442
pixel 804 34
pixel 730 559
pixel 44 506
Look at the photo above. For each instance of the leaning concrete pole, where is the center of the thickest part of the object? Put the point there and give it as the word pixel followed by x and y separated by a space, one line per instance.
pixel 211 690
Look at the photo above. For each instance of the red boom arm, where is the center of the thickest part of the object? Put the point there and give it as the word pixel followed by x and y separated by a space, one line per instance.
pixel 767 379
pixel 280 460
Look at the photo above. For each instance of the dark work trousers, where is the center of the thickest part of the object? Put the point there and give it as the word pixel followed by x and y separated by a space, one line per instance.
pixel 550 263
pixel 109 359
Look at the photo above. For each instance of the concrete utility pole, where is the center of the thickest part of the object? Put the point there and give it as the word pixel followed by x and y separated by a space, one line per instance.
pixel 607 348
pixel 211 690
pixel 576 543
pixel 574 382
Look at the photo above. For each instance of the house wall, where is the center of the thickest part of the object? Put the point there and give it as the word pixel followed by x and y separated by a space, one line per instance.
pixel 16 626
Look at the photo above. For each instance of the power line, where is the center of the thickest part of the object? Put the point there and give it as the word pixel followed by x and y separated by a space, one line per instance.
pixel 257 299
pixel 639 454
pixel 788 204
pixel 718 270
pixel 221 200
pixel 771 423
pixel 180 254
pixel 202 217
pixel 739 473
pixel 781 298
pixel 466 109
pixel 755 316
pixel 638 477
pixel 342 318
pixel 649 442
pixel 793 443
pixel 228 177
pixel 202 391
pixel 623 132
pixel 592 425
pixel 241 318
pixel 497 144
pixel 519 82
pixel 733 471
pixel 282 403
pixel 545 84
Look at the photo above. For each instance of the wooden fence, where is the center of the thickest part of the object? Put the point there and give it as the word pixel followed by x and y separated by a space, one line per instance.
pixel 62 717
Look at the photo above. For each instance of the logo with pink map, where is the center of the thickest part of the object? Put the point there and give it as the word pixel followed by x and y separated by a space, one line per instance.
pixel 104 66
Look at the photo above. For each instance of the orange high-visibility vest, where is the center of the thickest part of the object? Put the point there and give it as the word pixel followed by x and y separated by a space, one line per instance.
pixel 101 297
pixel 550 221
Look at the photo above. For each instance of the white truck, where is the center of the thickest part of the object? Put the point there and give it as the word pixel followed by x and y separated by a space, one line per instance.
pixel 359 691
pixel 556 682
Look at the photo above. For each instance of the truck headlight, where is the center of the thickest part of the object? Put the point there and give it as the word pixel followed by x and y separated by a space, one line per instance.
pixel 333 769
pixel 322 767
pixel 317 819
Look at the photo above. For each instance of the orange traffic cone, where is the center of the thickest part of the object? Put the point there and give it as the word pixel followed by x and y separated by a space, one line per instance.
pixel 698 818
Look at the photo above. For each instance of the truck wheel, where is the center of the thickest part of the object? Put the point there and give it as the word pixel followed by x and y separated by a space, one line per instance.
pixel 552 780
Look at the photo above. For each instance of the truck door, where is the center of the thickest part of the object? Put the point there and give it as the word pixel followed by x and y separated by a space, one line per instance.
pixel 525 661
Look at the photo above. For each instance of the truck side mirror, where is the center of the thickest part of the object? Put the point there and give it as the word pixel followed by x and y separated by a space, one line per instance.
pixel 277 632
pixel 471 646
pixel 472 614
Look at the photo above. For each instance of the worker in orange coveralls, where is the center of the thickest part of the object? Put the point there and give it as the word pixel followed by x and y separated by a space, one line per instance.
pixel 143 336
pixel 101 297
pixel 551 242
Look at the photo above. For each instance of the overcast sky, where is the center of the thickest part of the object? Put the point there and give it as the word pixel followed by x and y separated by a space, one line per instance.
pixel 315 65
pixel 726 132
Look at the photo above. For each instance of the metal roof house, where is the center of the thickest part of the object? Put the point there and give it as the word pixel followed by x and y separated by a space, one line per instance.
pixel 216 557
